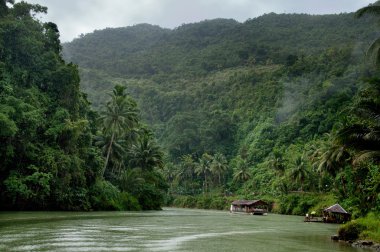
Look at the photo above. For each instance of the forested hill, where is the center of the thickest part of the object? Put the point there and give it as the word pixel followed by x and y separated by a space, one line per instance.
pixel 210 67
pixel 145 50
pixel 268 94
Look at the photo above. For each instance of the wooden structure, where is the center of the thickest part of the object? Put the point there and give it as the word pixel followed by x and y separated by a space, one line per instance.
pixel 258 207
pixel 313 218
pixel 335 214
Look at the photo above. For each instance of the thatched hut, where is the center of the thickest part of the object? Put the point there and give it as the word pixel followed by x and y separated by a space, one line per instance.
pixel 249 206
pixel 336 214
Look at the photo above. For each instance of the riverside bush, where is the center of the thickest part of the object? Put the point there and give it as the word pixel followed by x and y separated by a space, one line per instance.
pixel 350 231
pixel 371 224
pixel 105 196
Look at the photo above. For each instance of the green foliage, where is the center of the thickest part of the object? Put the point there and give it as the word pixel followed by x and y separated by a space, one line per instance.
pixel 105 196
pixel 8 127
pixel 302 203
pixel 273 95
pixel 48 156
pixel 254 108
pixel 32 189
pixel 350 231
pixel 203 201
pixel 371 224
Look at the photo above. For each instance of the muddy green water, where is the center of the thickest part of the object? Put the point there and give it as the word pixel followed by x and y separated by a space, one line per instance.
pixel 167 230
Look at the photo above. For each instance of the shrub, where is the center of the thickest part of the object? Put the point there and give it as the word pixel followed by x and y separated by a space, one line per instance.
pixel 371 224
pixel 218 203
pixel 105 196
pixel 350 231
pixel 203 202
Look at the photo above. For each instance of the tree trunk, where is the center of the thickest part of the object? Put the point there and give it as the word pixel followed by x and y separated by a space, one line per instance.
pixel 108 154
pixel 205 182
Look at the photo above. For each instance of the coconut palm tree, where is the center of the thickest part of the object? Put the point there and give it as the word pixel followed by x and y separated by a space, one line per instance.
pixel 119 116
pixel 277 163
pixel 242 172
pixel 186 169
pixel 203 169
pixel 363 136
pixel 186 172
pixel 146 154
pixel 299 171
pixel 219 166
pixel 130 180
pixel 117 150
pixel 330 157
pixel 169 172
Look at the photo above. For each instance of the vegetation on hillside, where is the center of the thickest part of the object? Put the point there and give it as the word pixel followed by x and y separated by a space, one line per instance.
pixel 280 105
pixel 55 152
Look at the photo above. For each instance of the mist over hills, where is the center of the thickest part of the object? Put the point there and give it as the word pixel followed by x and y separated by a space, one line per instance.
pixel 224 86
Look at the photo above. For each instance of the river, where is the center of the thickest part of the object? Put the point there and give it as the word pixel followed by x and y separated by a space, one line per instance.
pixel 168 230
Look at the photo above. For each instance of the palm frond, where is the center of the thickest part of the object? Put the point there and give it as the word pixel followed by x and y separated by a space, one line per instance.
pixel 369 109
pixel 365 156
pixel 373 52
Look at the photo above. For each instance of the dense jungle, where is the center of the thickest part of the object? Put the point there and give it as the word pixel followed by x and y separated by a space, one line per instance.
pixel 282 107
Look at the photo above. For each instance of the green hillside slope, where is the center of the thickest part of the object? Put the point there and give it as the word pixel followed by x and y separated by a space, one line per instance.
pixel 268 94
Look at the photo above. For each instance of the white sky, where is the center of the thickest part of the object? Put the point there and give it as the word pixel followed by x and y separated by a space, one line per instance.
pixel 74 17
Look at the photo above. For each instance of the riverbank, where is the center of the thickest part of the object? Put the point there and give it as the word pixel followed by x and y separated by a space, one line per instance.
pixel 362 232
pixel 290 204
pixel 362 229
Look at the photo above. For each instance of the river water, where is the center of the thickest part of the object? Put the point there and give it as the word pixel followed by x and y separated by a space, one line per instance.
pixel 167 230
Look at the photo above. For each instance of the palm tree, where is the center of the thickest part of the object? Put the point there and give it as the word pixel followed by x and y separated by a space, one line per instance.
pixel 219 165
pixel 203 168
pixel 330 158
pixel 119 116
pixel 146 154
pixel 186 171
pixel 242 172
pixel 130 180
pixel 277 163
pixel 169 172
pixel 117 150
pixel 374 49
pixel 299 172
pixel 363 136
pixel 187 168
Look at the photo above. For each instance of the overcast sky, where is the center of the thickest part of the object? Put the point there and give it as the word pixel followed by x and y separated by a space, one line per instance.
pixel 74 17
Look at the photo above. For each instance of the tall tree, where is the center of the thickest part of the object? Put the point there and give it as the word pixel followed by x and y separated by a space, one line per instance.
pixel 203 168
pixel 186 172
pixel 146 154
pixel 242 172
pixel 277 163
pixel 299 172
pixel 120 116
pixel 363 136
pixel 219 166
pixel 330 157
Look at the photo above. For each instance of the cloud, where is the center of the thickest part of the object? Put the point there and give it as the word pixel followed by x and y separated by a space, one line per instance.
pixel 74 17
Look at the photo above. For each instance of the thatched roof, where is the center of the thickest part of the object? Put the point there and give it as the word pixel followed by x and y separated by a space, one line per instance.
pixel 336 209
pixel 248 202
